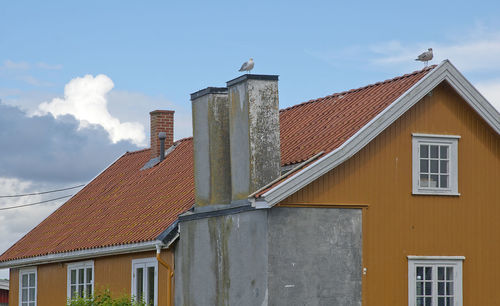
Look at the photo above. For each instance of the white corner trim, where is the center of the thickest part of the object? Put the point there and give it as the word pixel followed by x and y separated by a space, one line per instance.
pixel 445 71
pixel 416 257
pixel 81 254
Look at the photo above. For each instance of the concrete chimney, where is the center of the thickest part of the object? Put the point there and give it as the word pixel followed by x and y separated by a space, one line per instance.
pixel 212 165
pixel 161 121
pixel 254 133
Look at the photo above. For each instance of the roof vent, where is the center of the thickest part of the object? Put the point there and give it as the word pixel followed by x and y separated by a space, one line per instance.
pixel 162 136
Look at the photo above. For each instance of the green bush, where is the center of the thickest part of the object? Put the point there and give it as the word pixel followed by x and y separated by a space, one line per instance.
pixel 104 299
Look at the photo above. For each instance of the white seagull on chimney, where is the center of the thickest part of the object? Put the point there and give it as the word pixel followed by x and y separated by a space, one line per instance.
pixel 247 66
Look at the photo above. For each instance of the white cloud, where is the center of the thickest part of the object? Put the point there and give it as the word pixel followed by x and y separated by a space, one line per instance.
pixel 86 99
pixel 491 91
pixel 46 66
pixel 11 65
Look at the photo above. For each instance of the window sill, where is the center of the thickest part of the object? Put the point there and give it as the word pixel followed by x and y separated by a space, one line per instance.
pixel 435 193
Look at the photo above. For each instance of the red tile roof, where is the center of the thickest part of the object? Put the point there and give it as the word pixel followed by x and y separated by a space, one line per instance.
pixel 126 205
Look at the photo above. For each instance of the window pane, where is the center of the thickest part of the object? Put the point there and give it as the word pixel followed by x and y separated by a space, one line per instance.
pixel 32 304
pixel 24 295
pixel 444 152
pixel 440 288
pixel 449 288
pixel 434 166
pixel 73 276
pixel 441 301
pixel 139 274
pixel 420 301
pixel 443 183
pixel 428 288
pixel 420 289
pixel 88 291
pixel 441 273
pixel 81 276
pixel 424 166
pixel 443 167
pixel 73 292
pixel 31 294
pixel 434 180
pixel 424 180
pixel 428 301
pixel 434 151
pixel 424 151
pixel 449 301
pixel 428 273
pixel 89 275
pixel 449 273
pixel 80 290
pixel 25 280
pixel 151 285
pixel 420 273
pixel 32 279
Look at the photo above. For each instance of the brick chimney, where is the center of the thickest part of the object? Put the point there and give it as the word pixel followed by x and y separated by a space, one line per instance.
pixel 161 121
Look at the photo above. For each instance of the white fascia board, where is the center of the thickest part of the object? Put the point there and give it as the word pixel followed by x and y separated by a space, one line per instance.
pixel 82 254
pixel 444 71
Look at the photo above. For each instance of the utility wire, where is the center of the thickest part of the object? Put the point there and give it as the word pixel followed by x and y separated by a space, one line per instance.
pixel 37 193
pixel 37 203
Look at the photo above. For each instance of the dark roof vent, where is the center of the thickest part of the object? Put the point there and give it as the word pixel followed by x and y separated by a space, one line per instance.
pixel 162 136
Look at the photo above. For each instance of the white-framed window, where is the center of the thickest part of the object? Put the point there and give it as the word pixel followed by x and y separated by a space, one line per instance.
pixel 435 164
pixel 80 279
pixel 145 280
pixel 435 280
pixel 27 287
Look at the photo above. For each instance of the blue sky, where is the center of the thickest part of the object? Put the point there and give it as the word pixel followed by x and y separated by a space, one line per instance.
pixel 58 57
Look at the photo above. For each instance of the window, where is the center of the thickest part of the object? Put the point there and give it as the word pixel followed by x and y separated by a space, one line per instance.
pixel 27 287
pixel 435 164
pixel 80 279
pixel 145 280
pixel 435 280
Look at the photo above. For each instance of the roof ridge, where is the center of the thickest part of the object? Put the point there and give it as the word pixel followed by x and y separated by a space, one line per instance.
pixel 396 78
pixel 147 149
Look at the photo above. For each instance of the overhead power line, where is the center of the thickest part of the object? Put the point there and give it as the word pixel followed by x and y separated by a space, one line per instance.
pixel 37 203
pixel 37 193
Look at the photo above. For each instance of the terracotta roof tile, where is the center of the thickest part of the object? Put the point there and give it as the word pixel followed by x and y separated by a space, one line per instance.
pixel 126 205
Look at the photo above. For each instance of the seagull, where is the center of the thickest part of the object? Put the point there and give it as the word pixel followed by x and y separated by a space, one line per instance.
pixel 247 66
pixel 425 57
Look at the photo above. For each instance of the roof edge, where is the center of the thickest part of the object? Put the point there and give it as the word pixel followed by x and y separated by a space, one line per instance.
pixel 445 71
pixel 82 254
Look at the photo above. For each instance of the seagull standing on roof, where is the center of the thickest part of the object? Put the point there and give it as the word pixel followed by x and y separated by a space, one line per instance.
pixel 425 57
pixel 247 66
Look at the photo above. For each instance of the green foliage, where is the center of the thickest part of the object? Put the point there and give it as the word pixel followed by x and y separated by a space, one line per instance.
pixel 104 298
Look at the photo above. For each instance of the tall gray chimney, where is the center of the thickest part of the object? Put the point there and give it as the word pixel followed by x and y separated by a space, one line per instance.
pixel 254 133
pixel 212 165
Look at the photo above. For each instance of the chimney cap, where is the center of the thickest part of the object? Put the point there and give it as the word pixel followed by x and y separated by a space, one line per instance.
pixel 262 77
pixel 161 111
pixel 162 135
pixel 208 90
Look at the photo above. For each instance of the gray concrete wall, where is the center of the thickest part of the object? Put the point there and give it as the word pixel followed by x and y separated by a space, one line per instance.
pixel 254 134
pixel 211 148
pixel 314 256
pixel 222 260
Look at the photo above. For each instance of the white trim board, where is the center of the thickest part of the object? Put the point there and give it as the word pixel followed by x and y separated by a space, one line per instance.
pixel 82 254
pixel 445 71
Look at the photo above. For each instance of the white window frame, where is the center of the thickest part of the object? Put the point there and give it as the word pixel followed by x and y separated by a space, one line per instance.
pixel 435 261
pixel 21 273
pixel 449 140
pixel 145 262
pixel 79 265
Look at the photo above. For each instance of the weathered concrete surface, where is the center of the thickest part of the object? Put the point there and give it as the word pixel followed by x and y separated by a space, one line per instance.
pixel 211 147
pixel 314 256
pixel 254 133
pixel 222 260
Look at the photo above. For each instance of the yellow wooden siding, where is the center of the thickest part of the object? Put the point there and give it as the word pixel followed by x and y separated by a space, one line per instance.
pixel 397 223
pixel 111 272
